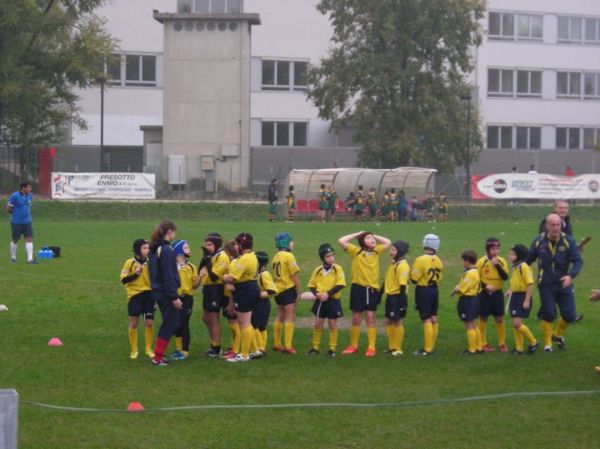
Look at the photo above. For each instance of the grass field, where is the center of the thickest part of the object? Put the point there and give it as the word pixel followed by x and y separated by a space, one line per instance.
pixel 79 299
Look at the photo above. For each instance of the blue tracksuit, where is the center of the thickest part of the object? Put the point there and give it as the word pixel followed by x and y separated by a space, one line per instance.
pixel 164 280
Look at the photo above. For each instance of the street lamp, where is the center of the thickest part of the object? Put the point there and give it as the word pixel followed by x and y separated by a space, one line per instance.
pixel 467 97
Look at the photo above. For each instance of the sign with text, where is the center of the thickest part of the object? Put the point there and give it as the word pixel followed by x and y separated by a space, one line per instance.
pixel 103 186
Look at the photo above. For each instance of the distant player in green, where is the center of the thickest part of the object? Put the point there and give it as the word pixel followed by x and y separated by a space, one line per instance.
pixel 359 204
pixel 332 198
pixel 442 207
pixel 326 283
pixel 468 302
pixel 323 203
pixel 394 203
pixel 372 202
pixel 291 204
pixel 272 197
pixel 430 207
pixel 395 286
pixel 350 204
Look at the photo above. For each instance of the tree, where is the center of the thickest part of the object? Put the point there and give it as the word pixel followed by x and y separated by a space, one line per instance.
pixel 47 47
pixel 396 72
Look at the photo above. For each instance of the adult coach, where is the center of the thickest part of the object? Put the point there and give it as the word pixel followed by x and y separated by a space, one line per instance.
pixel 19 207
pixel 559 262
pixel 561 208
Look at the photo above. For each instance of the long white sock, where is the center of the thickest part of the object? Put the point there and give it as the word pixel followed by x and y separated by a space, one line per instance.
pixel 29 249
pixel 13 250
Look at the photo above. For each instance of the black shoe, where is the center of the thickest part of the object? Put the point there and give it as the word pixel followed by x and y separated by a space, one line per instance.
pixel 515 352
pixel 161 362
pixel 467 352
pixel 32 262
pixel 213 352
pixel 421 352
pixel 578 318
pixel 532 348
pixel 560 342
pixel 388 351
pixel 331 353
pixel 313 351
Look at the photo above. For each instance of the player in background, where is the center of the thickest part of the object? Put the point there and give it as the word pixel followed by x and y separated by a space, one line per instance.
pixel 427 272
pixel 323 203
pixel 468 302
pixel 332 198
pixel 395 286
pixel 520 302
pixel 136 279
pixel 442 207
pixel 272 197
pixel 291 204
pixel 359 204
pixel 493 271
pixel 394 204
pixel 260 315
pixel 372 203
pixel 326 283
pixel 364 292
pixel 430 207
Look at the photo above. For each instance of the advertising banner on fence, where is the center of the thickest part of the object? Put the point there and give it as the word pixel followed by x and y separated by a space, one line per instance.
pixel 534 186
pixel 103 186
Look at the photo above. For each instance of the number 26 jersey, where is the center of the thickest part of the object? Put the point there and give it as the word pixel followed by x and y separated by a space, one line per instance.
pixel 427 270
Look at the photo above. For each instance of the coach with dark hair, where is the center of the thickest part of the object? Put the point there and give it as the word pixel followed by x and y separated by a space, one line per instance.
pixel 561 208
pixel 559 262
pixel 19 207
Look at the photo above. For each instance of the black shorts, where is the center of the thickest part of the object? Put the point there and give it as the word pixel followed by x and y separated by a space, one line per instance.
pixel 515 305
pixel 187 305
pixel 246 296
pixel 427 301
pixel 142 304
pixel 286 297
pixel 330 309
pixel 21 229
pixel 214 298
pixel 363 298
pixel 395 307
pixel 491 304
pixel 468 308
pixel 260 315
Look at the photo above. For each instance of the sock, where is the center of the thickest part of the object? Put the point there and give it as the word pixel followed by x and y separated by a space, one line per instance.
pixel 436 330
pixel 277 326
pixel 478 345
pixel 29 249
pixel 246 337
pixel 354 335
pixel 501 331
pixel 236 336
pixel 13 250
pixel 264 335
pixel 471 340
pixel 482 326
pixel 371 336
pixel 518 340
pixel 148 336
pixel 390 330
pixel 259 340
pixel 179 343
pixel 159 348
pixel 525 332
pixel 547 332
pixel 316 338
pixel 333 335
pixel 253 341
pixel 133 339
pixel 288 334
pixel 399 337
pixel 428 335
pixel 561 326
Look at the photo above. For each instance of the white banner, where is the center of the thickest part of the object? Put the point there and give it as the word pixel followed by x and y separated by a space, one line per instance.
pixel 535 186
pixel 103 186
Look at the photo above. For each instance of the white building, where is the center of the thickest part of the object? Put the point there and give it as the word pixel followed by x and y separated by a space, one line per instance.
pixel 537 74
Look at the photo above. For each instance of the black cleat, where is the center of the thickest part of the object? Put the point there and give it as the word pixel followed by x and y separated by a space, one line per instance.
pixel 467 352
pixel 515 352
pixel 560 342
pixel 532 348
pixel 331 353
pixel 421 352
pixel 313 351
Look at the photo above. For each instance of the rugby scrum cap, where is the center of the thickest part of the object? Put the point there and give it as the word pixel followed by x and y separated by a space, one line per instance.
pixel 137 245
pixel 283 240
pixel 178 247
pixel 215 238
pixel 491 243
pixel 263 258
pixel 432 242
pixel 520 251
pixel 244 240
pixel 402 248
pixel 325 249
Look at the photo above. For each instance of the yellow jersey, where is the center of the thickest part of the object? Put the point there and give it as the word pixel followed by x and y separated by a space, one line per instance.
pixel 284 266
pixel 188 274
pixel 141 283
pixel 488 272
pixel 396 276
pixel 220 264
pixel 522 276
pixel 427 270
pixel 266 284
pixel 469 284
pixel 244 268
pixel 364 270
pixel 324 280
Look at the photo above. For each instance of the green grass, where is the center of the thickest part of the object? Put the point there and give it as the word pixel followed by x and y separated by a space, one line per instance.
pixel 79 299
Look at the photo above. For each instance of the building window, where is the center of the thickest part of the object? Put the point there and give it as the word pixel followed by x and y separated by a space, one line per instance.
pixel 501 25
pixel 500 83
pixel 210 6
pixel 570 29
pixel 592 31
pixel 284 75
pixel 529 137
pixel 568 85
pixel 284 134
pixel 591 86
pixel 132 70
pixel 591 138
pixel 113 69
pixel 567 138
pixel 499 137
pixel 529 83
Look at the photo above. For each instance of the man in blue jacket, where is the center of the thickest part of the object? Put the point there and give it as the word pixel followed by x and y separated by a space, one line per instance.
pixel 19 208
pixel 559 262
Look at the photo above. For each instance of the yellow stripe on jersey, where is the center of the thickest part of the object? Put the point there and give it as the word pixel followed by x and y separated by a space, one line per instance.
pixel 488 273
pixel 396 276
pixel 244 268
pixel 284 266
pixel 220 265
pixel 364 270
pixel 522 276
pixel 265 282
pixel 323 281
pixel 188 274
pixel 427 270
pixel 469 284
pixel 139 284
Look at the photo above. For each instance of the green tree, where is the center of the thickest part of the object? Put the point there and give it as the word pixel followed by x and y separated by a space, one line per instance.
pixel 396 72
pixel 47 48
